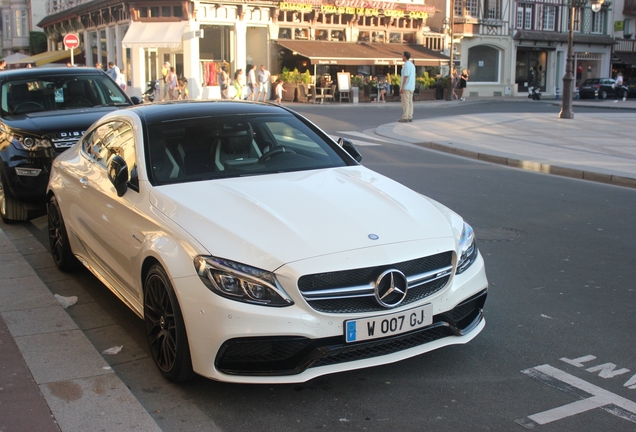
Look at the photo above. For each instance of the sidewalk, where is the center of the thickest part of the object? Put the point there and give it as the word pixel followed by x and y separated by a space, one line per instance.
pixel 53 379
pixel 597 147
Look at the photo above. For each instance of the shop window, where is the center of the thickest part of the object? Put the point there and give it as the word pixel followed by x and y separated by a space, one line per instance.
pixel 364 36
pixel 166 11
pixel 395 37
pixel 301 33
pixel 177 11
pixel 322 35
pixel 337 35
pixel 377 37
pixel 483 63
pixel 409 38
pixel 284 33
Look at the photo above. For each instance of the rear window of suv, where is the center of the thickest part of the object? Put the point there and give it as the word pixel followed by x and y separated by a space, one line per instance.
pixel 52 93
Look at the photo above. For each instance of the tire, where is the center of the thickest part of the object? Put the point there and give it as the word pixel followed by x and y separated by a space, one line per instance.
pixel 165 329
pixel 61 252
pixel 11 210
pixel 602 94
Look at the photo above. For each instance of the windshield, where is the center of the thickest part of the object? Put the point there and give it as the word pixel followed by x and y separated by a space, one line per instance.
pixel 220 147
pixel 51 93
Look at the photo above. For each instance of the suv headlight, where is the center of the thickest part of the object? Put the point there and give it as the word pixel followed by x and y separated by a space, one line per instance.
pixel 467 249
pixel 31 143
pixel 240 282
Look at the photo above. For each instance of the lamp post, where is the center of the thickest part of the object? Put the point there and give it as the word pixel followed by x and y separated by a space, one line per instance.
pixel 451 28
pixel 568 78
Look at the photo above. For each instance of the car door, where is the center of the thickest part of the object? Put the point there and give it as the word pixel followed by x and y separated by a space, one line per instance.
pixel 107 219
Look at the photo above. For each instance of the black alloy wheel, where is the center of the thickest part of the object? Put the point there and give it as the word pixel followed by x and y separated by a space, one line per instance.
pixel 165 329
pixel 58 239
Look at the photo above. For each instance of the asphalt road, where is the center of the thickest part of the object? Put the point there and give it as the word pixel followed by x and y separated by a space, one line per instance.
pixel 559 316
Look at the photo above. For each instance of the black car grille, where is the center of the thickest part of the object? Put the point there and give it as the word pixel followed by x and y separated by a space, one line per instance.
pixel 279 356
pixel 352 291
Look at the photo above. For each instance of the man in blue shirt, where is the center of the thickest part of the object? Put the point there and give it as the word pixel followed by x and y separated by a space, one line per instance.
pixel 407 88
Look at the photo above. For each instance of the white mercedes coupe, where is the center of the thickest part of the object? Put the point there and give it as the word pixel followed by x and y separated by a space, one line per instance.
pixel 256 249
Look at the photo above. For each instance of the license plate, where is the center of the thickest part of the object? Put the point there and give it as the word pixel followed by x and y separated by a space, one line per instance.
pixel 388 325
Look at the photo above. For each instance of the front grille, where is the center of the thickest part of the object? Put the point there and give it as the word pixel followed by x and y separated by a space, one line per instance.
pixel 352 291
pixel 64 143
pixel 279 356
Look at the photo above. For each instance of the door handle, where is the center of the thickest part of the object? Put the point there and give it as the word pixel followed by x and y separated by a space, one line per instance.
pixel 84 182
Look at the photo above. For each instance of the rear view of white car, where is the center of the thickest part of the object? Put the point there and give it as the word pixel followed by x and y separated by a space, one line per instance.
pixel 256 249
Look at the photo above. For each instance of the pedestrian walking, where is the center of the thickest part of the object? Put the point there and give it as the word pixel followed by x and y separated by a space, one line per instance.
pixel 618 88
pixel 407 88
pixel 238 84
pixel 113 71
pixel 165 71
pixel 279 91
pixel 173 85
pixel 455 83
pixel 224 82
pixel 263 80
pixel 463 80
pixel 251 81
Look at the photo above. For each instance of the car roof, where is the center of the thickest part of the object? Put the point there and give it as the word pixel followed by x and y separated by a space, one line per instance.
pixel 163 111
pixel 44 71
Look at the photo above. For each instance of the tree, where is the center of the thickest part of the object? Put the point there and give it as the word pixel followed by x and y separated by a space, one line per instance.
pixel 37 42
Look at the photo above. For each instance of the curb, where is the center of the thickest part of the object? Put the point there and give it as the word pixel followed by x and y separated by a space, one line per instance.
pixel 534 166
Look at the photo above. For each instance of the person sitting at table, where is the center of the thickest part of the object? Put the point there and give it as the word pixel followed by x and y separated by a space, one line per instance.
pixel 383 88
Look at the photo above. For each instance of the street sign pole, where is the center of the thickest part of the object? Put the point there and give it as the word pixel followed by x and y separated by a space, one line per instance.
pixel 71 41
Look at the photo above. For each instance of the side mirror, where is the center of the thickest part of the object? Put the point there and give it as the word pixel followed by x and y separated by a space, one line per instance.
pixel 118 174
pixel 350 148
pixel 136 100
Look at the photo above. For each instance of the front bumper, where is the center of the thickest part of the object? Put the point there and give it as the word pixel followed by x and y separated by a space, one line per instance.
pixel 237 342
pixel 27 174
pixel 279 356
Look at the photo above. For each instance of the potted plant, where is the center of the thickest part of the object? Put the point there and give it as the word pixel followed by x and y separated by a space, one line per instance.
pixel 427 86
pixel 396 81
pixel 291 79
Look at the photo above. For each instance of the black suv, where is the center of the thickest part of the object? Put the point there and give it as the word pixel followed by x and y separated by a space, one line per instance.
pixel 43 112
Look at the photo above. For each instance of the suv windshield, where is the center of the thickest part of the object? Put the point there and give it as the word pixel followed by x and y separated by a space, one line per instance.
pixel 51 93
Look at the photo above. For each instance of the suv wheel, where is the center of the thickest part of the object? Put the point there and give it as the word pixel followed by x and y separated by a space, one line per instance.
pixel 602 94
pixel 11 210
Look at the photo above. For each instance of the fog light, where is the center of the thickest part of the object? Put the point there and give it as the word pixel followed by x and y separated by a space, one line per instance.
pixel 28 172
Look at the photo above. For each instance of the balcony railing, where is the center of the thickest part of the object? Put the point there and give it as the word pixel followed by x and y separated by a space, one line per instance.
pixel 625 45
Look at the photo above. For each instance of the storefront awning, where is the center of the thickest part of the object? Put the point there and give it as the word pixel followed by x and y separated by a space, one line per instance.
pixel 626 58
pixel 361 53
pixel 154 35
pixel 50 57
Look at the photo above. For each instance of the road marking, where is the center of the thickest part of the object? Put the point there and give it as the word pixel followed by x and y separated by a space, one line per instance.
pixel 590 396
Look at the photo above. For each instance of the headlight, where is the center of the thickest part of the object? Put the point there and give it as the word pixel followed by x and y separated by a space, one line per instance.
pixel 32 143
pixel 467 249
pixel 241 282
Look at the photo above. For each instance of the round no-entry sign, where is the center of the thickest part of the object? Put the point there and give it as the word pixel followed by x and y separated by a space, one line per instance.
pixel 71 41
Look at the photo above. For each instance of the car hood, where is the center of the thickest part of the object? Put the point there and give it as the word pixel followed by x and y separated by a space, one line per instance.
pixel 53 121
pixel 271 220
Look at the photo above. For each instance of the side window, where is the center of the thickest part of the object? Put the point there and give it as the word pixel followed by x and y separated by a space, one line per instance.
pixel 95 145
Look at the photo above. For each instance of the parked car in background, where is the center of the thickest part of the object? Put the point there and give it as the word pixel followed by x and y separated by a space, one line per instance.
pixel 631 87
pixel 599 88
pixel 43 112
pixel 257 249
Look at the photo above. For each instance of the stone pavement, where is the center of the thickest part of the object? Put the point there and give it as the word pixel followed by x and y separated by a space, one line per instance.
pixel 598 147
pixel 53 379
